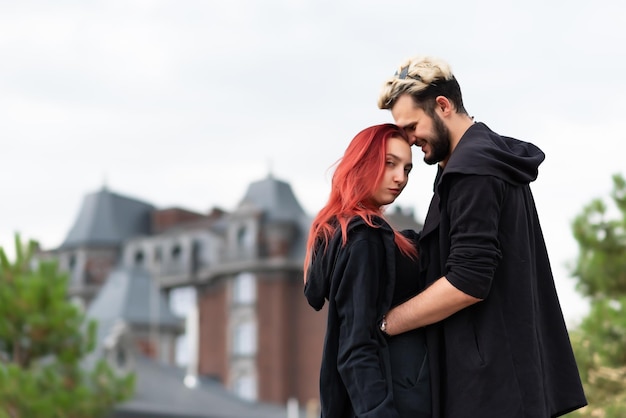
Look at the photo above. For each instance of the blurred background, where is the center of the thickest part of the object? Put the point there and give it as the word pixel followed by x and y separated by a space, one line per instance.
pixel 187 104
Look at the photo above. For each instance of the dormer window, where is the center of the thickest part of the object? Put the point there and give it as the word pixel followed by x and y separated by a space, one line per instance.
pixel 117 348
pixel 72 262
pixel 245 238
pixel 121 357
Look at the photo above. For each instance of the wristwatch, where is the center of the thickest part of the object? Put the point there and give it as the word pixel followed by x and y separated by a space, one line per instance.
pixel 383 325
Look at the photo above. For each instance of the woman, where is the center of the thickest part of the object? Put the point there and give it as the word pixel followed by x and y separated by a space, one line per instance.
pixel 362 266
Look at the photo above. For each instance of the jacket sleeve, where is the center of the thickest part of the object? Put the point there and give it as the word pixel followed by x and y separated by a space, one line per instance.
pixel 474 205
pixel 363 361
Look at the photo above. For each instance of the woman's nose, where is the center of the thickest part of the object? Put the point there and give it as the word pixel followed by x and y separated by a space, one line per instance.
pixel 399 176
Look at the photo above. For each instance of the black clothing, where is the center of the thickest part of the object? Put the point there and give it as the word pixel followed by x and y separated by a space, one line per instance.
pixel 508 355
pixel 410 374
pixel 410 369
pixel 358 280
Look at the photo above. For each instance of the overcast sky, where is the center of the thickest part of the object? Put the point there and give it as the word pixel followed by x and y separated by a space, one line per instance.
pixel 184 103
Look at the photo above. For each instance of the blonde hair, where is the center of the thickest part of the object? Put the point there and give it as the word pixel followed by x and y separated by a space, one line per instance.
pixel 414 77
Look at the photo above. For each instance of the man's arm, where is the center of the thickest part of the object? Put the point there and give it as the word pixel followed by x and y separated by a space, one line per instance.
pixel 473 258
pixel 437 302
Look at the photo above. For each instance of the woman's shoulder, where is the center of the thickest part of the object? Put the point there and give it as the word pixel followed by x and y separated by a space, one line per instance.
pixel 377 222
pixel 358 228
pixel 411 234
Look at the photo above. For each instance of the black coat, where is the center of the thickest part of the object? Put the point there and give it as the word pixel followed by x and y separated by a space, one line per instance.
pixel 508 355
pixel 357 280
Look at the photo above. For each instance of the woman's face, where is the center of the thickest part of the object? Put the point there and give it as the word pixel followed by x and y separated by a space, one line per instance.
pixel 398 164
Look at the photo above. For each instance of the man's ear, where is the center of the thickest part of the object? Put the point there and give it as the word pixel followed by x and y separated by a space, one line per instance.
pixel 444 105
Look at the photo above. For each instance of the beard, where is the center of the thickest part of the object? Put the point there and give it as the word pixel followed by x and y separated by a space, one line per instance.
pixel 439 142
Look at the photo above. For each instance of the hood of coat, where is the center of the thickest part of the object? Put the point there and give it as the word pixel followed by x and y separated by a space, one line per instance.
pixel 320 273
pixel 482 151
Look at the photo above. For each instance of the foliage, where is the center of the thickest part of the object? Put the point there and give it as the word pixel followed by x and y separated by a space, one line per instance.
pixel 600 341
pixel 43 338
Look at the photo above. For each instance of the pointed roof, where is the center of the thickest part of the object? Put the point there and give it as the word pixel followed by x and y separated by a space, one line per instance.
pixel 401 219
pixel 130 295
pixel 275 198
pixel 107 218
pixel 160 392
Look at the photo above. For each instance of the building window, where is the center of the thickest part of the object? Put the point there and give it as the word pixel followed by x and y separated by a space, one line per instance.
pixel 139 258
pixel 196 255
pixel 72 262
pixel 121 357
pixel 245 239
pixel 245 387
pixel 176 251
pixel 244 289
pixel 245 339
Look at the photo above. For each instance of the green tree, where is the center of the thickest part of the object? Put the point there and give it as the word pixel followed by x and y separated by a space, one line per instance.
pixel 600 340
pixel 43 338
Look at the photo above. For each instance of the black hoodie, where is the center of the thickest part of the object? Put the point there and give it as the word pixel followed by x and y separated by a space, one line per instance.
pixel 508 355
pixel 357 280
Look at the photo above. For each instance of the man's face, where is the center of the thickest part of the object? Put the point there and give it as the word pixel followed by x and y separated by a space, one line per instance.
pixel 428 133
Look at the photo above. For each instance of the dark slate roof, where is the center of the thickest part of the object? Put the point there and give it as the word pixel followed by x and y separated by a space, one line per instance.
pixel 107 218
pixel 130 295
pixel 402 219
pixel 161 393
pixel 275 198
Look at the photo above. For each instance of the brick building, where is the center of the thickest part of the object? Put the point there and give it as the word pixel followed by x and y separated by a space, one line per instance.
pixel 255 332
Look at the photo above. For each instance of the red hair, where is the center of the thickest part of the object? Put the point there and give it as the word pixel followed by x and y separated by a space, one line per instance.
pixel 356 178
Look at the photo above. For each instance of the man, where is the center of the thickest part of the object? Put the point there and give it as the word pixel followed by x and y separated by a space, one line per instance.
pixel 499 344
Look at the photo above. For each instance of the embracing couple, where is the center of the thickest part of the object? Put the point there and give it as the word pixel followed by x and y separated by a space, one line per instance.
pixel 462 318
